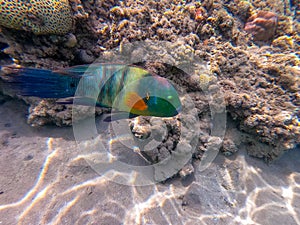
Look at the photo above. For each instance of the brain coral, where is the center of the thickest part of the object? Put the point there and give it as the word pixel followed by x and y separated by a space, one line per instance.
pixel 38 16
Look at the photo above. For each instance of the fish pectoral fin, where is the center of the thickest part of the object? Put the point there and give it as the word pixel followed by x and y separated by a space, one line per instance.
pixel 65 100
pixel 85 101
pixel 134 101
pixel 114 116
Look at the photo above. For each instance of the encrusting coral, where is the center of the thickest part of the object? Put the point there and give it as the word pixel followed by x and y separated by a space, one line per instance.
pixel 40 17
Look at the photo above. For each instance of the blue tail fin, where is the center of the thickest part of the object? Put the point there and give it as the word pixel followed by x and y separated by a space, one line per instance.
pixel 37 82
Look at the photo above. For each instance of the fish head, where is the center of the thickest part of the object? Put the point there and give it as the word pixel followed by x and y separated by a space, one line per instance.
pixel 154 96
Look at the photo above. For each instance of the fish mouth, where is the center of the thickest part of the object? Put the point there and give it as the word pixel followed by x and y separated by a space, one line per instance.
pixel 177 110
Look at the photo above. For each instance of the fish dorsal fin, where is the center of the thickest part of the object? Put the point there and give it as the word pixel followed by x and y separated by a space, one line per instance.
pixel 134 101
pixel 90 69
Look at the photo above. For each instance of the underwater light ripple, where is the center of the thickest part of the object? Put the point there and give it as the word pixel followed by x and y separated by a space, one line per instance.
pixel 40 179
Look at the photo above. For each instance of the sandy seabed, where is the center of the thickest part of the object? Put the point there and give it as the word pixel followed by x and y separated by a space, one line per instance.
pixel 45 180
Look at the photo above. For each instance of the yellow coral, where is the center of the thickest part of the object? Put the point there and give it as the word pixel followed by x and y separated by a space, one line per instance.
pixel 204 80
pixel 38 16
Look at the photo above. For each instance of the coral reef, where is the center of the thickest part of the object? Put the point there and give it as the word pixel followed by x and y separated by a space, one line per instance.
pixel 260 82
pixel 176 140
pixel 39 17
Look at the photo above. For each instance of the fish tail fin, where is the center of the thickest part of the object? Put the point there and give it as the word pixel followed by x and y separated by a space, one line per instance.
pixel 37 82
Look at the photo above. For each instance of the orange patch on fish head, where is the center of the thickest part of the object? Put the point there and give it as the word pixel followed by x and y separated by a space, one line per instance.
pixel 134 101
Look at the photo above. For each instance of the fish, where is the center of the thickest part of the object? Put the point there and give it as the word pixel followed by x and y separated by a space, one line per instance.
pixel 130 90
